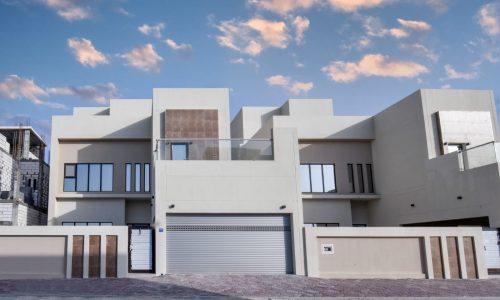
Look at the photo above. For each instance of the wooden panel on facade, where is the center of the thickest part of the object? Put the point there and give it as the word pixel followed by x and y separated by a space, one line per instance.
pixel 453 257
pixel 111 255
pixel 77 259
pixel 437 257
pixel 191 123
pixel 470 257
pixel 94 256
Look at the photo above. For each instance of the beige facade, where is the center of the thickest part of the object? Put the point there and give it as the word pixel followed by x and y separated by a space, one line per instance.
pixel 392 169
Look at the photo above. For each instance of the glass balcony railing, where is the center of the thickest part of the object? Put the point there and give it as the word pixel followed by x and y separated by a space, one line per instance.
pixel 214 149
pixel 478 156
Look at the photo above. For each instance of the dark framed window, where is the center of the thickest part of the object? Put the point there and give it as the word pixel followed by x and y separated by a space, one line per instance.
pixel 128 177
pixel 137 177
pixel 359 225
pixel 87 223
pixel 318 178
pixel 361 181
pixel 69 184
pixel 179 151
pixel 323 225
pixel 147 173
pixel 369 178
pixel 350 176
pixel 88 178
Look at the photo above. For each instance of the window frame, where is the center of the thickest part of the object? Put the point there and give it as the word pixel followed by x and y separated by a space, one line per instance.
pixel 361 180
pixel 322 178
pixel 179 144
pixel 75 177
pixel 369 178
pixel 147 187
pixel 129 181
pixel 350 177
pixel 73 223
pixel 137 189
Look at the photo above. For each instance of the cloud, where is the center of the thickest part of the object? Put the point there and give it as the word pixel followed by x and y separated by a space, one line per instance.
pixel 398 33
pixel 451 73
pixel 439 6
pixel 100 93
pixel 252 36
pixel 487 17
pixel 85 52
pixel 243 61
pixel 374 27
pixel 421 50
pixel 71 10
pixel 14 87
pixel 294 87
pixel 372 65
pixel 299 65
pixel 355 5
pixel 122 11
pixel 143 58
pixel 283 7
pixel 446 86
pixel 301 25
pixel 415 25
pixel 153 30
pixel 178 47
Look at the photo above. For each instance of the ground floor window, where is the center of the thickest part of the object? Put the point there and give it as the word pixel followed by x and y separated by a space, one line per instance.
pixel 322 225
pixel 87 223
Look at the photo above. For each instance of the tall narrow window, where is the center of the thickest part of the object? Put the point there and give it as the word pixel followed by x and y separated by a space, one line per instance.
pixel 107 177
pixel 329 179
pixel 82 177
pixel 316 179
pixel 350 176
pixel 69 184
pixel 361 182
pixel 128 177
pixel 305 179
pixel 369 177
pixel 146 178
pixel 94 177
pixel 137 177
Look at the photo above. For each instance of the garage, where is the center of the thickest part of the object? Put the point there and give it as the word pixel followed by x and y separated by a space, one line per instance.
pixel 246 244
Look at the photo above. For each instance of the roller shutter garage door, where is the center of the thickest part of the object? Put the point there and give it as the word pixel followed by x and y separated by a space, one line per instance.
pixel 492 249
pixel 248 244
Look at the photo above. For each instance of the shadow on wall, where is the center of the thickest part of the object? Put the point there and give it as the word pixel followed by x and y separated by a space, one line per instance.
pixel 116 288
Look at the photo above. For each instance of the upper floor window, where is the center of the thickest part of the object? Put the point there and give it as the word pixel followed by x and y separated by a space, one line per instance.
pixel 139 180
pixel 318 178
pixel 179 151
pixel 88 178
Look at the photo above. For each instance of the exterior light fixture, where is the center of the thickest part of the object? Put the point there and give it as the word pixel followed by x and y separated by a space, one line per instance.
pixel 282 206
pixel 171 206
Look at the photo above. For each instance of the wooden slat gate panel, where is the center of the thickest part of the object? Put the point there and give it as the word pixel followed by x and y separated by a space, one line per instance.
pixel 453 258
pixel 111 255
pixel 77 259
pixel 94 256
pixel 437 257
pixel 470 257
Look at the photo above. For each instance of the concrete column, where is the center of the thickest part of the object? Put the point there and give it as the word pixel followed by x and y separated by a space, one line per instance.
pixel 461 257
pixel 86 246
pixel 26 144
pixel 69 255
pixel 103 256
pixel 428 257
pixel 446 261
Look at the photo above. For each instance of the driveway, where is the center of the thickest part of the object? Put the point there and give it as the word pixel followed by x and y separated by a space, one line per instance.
pixel 241 287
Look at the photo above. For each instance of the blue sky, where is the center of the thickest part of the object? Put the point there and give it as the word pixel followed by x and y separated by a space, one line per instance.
pixel 364 54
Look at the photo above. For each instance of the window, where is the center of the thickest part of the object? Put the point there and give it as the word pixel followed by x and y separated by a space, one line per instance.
pixel 358 225
pixel 179 151
pixel 305 179
pixel 87 223
pixel 137 177
pixel 322 225
pixel 350 175
pixel 88 178
pixel 146 177
pixel 318 178
pixel 369 177
pixel 128 177
pixel 361 182
pixel 94 177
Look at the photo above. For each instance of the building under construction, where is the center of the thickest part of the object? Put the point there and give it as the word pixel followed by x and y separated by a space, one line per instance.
pixel 24 177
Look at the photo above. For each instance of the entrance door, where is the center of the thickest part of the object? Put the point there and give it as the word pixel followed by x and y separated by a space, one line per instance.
pixel 492 250
pixel 141 249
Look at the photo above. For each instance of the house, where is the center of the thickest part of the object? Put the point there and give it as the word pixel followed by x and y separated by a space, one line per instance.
pixel 202 193
pixel 24 177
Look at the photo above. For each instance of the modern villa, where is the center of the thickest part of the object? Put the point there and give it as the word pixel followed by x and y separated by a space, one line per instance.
pixel 203 193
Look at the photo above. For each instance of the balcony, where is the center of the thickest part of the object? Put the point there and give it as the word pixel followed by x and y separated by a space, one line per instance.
pixel 478 156
pixel 214 149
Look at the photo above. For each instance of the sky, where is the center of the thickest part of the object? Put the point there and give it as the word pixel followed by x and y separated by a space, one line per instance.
pixel 363 54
